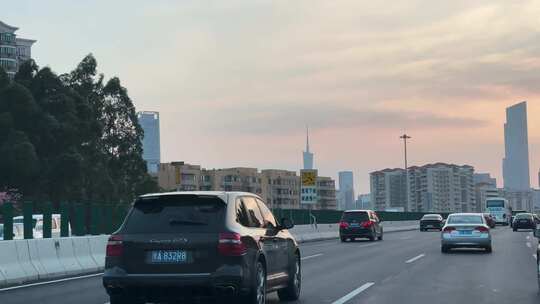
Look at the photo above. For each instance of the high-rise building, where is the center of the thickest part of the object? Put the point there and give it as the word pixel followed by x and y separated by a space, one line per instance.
pixel 308 156
pixel 441 187
pixel 13 50
pixel 364 202
pixel 149 122
pixel 516 145
pixel 346 191
pixel 388 189
pixel 484 178
pixel 281 188
pixel 326 194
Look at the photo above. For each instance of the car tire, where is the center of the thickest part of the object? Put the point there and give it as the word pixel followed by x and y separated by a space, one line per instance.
pixel 380 237
pixel 422 229
pixel 123 299
pixel 294 286
pixel 343 240
pixel 445 249
pixel 515 229
pixel 489 249
pixel 257 292
pixel 371 238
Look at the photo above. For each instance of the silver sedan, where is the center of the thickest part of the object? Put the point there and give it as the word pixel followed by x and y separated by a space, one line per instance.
pixel 466 230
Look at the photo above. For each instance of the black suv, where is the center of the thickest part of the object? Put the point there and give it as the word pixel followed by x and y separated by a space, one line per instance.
pixel 524 221
pixel 192 245
pixel 360 224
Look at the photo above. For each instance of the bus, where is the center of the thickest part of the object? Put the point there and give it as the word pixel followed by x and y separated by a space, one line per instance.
pixel 499 208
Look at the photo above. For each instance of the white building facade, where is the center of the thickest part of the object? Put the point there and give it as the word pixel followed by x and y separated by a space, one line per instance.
pixel 13 50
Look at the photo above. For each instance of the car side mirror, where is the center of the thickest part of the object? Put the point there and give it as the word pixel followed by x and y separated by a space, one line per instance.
pixel 537 232
pixel 286 224
pixel 380 220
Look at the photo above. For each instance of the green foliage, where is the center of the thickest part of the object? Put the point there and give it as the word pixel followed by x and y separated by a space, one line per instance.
pixel 70 137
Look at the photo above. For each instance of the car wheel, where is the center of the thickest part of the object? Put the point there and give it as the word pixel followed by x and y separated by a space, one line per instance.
pixel 515 229
pixel 343 240
pixel 292 291
pixel 422 229
pixel 444 249
pixel 257 292
pixel 489 249
pixel 123 299
pixel 380 237
pixel 371 238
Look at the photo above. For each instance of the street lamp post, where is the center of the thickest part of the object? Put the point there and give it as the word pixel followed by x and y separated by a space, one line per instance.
pixel 405 137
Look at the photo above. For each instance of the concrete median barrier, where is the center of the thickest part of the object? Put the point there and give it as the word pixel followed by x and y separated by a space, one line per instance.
pixel 10 267
pixel 98 244
pixel 47 255
pixel 23 254
pixel 81 246
pixel 34 259
pixel 66 256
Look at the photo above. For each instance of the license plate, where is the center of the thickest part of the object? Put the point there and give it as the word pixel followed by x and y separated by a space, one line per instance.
pixel 465 232
pixel 167 257
pixel 430 226
pixel 355 225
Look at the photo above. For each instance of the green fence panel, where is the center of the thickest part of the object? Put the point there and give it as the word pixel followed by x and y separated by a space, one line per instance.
pixel 47 220
pixel 79 222
pixel 94 218
pixel 7 212
pixel 65 220
pixel 28 220
pixel 108 218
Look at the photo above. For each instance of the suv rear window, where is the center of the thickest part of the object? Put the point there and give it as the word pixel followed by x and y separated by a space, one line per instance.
pixel 355 216
pixel 524 216
pixel 431 217
pixel 176 213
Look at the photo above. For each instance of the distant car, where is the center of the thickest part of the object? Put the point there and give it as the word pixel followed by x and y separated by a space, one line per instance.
pixel 1 232
pixel 524 221
pixel 360 224
pixel 536 219
pixel 490 220
pixel 466 230
pixel 184 246
pixel 431 221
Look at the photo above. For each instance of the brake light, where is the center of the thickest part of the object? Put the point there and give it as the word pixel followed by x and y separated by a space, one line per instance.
pixel 343 225
pixel 115 246
pixel 449 229
pixel 367 224
pixel 230 244
pixel 482 229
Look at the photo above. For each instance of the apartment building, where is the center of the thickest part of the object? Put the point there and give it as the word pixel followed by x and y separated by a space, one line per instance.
pixel 281 188
pixel 388 189
pixel 441 187
pixel 13 50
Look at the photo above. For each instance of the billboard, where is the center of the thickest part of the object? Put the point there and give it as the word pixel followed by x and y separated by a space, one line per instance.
pixel 308 187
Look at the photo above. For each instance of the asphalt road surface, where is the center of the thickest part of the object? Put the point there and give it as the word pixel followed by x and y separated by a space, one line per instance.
pixel 406 268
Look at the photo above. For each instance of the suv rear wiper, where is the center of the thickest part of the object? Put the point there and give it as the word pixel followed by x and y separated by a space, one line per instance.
pixel 184 222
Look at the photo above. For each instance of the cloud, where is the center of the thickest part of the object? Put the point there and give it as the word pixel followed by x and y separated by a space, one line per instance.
pixel 292 118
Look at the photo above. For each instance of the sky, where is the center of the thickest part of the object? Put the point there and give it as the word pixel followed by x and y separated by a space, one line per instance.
pixel 236 82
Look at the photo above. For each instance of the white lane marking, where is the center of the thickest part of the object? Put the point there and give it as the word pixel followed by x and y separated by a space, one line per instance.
pixel 52 282
pixel 353 293
pixel 311 256
pixel 528 237
pixel 534 256
pixel 528 244
pixel 406 238
pixel 415 258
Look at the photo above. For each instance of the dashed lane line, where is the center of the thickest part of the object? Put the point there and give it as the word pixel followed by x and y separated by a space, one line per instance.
pixel 311 256
pixel 353 293
pixel 415 258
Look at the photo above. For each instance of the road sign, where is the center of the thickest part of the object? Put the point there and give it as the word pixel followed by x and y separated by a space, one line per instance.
pixel 308 189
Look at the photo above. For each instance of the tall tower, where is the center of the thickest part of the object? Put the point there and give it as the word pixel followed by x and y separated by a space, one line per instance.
pixel 516 147
pixel 308 156
pixel 149 122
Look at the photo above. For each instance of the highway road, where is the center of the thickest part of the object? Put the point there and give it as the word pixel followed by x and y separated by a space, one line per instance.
pixel 405 268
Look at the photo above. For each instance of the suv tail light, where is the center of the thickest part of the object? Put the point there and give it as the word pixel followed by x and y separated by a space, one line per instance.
pixel 367 224
pixel 115 246
pixel 482 229
pixel 343 225
pixel 449 229
pixel 230 244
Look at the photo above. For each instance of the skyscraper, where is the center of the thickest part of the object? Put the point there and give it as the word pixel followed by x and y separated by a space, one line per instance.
pixel 346 191
pixel 516 145
pixel 149 121
pixel 13 50
pixel 308 156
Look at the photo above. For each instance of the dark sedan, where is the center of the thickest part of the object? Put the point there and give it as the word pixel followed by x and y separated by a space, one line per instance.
pixel 524 221
pixel 431 221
